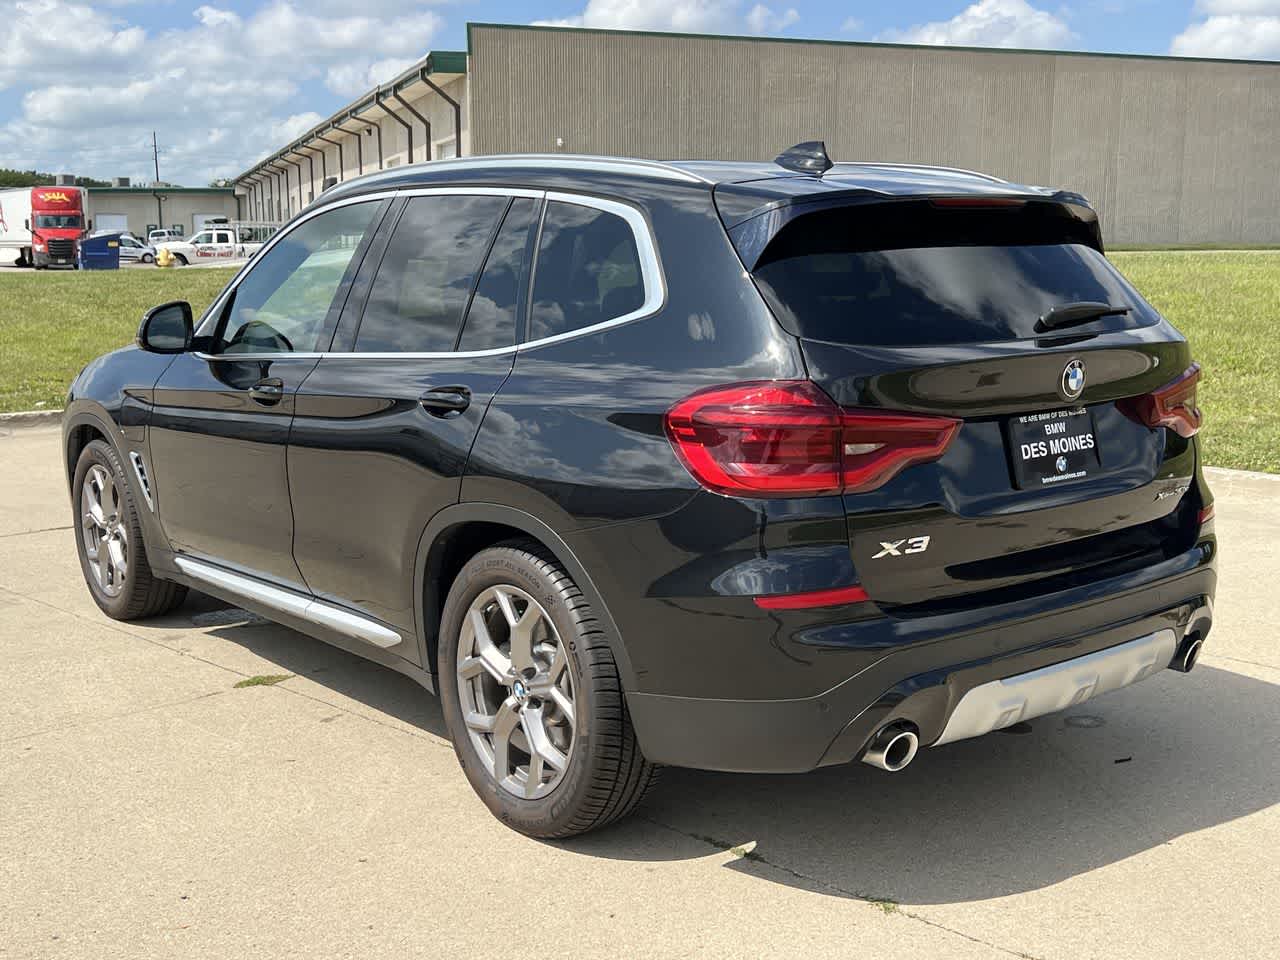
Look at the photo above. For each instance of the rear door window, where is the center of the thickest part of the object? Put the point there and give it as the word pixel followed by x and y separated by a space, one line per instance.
pixel 588 270
pixel 491 317
pixel 846 276
pixel 425 280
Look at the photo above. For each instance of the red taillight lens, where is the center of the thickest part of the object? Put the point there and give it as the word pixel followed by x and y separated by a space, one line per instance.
pixel 787 438
pixel 1172 406
pixel 1205 515
pixel 814 598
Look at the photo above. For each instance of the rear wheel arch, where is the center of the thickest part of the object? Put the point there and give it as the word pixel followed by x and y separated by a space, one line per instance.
pixel 458 533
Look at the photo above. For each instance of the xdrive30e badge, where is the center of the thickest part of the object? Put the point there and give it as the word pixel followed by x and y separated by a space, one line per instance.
pixel 1072 380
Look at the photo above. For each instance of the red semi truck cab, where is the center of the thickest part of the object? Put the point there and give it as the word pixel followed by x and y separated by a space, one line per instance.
pixel 57 224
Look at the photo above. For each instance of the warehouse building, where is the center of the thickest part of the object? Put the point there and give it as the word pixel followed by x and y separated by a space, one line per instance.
pixel 139 210
pixel 1170 150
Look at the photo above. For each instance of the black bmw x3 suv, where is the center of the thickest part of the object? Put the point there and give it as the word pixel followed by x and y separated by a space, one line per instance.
pixel 739 466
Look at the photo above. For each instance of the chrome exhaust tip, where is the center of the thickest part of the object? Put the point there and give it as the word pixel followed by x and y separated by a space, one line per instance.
pixel 1188 654
pixel 892 748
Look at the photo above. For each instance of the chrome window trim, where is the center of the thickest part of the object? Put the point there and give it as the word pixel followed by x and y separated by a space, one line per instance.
pixel 651 272
pixel 287 601
pixel 651 275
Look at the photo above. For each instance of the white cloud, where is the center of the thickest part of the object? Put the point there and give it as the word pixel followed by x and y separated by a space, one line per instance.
pixel 214 17
pixel 353 79
pixel 221 92
pixel 762 19
pixel 84 42
pixel 1243 29
pixel 991 23
pixel 851 25
pixel 685 16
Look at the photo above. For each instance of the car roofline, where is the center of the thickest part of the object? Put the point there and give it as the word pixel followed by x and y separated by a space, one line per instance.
pixel 562 161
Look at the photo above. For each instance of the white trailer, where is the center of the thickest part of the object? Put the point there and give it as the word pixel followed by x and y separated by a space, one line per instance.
pixel 15 222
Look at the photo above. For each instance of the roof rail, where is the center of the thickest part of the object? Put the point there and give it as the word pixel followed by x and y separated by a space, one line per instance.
pixel 921 166
pixel 570 161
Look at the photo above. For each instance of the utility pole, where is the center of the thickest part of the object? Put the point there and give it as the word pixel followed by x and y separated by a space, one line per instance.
pixel 155 156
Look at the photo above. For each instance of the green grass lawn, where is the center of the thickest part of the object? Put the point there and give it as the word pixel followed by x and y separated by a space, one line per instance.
pixel 54 322
pixel 1227 304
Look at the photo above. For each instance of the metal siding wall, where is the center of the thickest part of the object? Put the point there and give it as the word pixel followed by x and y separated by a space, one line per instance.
pixel 1170 152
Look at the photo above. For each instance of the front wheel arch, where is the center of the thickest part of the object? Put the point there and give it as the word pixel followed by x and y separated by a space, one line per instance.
pixel 482 525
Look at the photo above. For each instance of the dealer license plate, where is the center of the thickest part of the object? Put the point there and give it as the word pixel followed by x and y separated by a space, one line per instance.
pixel 1052 448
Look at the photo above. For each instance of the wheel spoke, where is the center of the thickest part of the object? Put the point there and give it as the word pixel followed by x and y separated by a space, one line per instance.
pixel 561 700
pixel 533 782
pixel 490 657
pixel 115 556
pixel 479 722
pixel 505 722
pixel 522 630
pixel 539 743
pixel 558 663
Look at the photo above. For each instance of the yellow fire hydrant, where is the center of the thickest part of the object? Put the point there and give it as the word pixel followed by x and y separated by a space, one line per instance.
pixel 164 258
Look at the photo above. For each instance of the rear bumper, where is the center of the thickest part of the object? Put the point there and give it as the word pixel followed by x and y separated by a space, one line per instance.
pixel 962 676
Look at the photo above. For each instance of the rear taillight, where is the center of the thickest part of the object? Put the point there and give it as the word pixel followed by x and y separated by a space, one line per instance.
pixel 1172 406
pixel 787 438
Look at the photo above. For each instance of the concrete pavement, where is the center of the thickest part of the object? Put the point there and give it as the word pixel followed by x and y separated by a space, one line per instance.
pixel 148 808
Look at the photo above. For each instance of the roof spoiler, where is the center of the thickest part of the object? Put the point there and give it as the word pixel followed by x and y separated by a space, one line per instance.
pixel 809 158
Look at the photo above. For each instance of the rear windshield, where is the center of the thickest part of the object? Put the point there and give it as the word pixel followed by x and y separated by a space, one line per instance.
pixel 943 286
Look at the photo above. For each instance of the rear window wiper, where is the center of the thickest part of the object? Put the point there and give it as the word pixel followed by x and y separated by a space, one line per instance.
pixel 1082 311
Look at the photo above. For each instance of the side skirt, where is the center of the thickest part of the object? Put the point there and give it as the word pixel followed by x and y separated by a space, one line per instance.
pixel 341 628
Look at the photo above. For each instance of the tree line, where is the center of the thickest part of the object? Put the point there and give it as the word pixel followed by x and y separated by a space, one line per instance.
pixel 34 178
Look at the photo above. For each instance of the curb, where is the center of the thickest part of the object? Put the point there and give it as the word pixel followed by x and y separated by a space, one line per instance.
pixel 1242 483
pixel 30 418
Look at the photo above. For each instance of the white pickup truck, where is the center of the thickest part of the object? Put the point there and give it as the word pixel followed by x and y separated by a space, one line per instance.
pixel 231 241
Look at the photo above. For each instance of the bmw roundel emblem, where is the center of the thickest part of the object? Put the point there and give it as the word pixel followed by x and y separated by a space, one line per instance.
pixel 1073 380
pixel 1061 464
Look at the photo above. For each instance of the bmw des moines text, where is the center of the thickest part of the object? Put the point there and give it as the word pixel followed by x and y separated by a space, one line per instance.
pixel 740 466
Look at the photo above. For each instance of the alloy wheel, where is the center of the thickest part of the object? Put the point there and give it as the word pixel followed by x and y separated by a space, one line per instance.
pixel 106 537
pixel 516 691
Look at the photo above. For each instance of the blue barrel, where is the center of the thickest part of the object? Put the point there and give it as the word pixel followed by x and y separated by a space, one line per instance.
pixel 101 252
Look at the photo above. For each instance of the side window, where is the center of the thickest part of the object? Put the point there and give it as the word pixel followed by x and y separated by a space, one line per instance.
pixel 421 289
pixel 224 237
pixel 202 238
pixel 491 318
pixel 588 270
pixel 282 303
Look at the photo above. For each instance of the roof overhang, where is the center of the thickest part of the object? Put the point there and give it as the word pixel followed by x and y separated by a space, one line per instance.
pixel 441 66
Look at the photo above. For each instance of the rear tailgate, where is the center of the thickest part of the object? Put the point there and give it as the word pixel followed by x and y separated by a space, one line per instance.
pixel 1051 477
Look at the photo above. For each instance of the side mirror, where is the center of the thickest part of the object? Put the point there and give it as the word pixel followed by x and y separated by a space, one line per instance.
pixel 166 328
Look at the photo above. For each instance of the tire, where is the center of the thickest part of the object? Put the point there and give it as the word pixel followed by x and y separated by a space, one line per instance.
pixel 147 258
pixel 115 535
pixel 182 261
pixel 604 774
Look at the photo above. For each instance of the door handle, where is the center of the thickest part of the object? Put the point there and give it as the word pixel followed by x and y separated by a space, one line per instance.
pixel 443 401
pixel 267 392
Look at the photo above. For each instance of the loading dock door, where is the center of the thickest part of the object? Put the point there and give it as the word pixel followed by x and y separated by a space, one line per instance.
pixel 198 220
pixel 116 222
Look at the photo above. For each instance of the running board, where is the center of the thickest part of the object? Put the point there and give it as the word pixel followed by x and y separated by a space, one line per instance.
pixel 294 604
pixel 1002 703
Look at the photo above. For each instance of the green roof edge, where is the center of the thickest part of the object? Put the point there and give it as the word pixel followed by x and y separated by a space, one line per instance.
pixel 878 45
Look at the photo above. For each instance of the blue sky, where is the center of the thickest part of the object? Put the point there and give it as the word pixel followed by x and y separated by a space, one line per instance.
pixel 83 82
